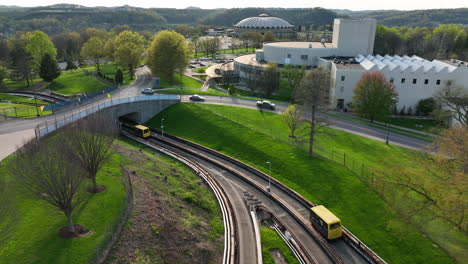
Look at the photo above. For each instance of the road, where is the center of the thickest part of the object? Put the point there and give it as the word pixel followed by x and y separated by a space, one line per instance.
pixel 334 122
pixel 14 132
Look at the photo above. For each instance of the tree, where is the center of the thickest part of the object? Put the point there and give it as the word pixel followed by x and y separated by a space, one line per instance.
pixel 270 79
pixel 93 50
pixel 293 118
pixel 128 50
pixel 426 106
pixel 49 69
pixel 90 140
pixel 46 171
pixel 269 37
pixel 314 94
pixel 374 96
pixel 38 45
pixel 119 29
pixel 21 64
pixel 210 45
pixel 168 53
pixel 195 40
pixel 3 73
pixel 119 76
pixel 70 64
pixel 109 48
pixel 454 99
pixel 293 76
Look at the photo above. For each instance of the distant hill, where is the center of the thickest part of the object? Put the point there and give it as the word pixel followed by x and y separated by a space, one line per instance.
pixel 415 18
pixel 60 18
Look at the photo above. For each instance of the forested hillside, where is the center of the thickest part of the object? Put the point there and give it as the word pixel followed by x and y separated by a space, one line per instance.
pixel 415 18
pixel 61 18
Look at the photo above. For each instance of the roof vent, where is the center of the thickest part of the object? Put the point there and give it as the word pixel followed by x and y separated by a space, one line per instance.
pixel 263 15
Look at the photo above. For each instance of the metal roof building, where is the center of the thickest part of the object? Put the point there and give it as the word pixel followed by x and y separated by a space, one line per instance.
pixel 264 23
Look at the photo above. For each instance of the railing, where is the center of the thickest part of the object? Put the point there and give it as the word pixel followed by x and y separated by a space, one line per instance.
pixel 59 121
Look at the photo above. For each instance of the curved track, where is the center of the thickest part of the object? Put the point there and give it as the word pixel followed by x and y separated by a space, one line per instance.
pixel 290 208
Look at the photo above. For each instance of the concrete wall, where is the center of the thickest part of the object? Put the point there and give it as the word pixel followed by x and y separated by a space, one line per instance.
pixel 354 36
pixel 279 54
pixel 409 93
pixel 140 111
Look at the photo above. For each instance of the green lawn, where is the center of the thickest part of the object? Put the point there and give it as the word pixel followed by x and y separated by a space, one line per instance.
pixel 21 110
pixel 76 81
pixel 319 180
pixel 35 239
pixel 21 99
pixel 187 83
pixel 271 240
pixel 109 70
pixel 426 125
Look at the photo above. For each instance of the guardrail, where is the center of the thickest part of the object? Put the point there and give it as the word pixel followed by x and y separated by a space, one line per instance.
pixel 59 121
pixel 360 246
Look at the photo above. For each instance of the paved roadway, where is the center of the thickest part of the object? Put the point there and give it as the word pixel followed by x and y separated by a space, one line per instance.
pixel 14 132
pixel 334 122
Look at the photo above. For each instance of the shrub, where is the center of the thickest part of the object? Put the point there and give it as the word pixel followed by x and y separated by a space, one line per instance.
pixel 426 106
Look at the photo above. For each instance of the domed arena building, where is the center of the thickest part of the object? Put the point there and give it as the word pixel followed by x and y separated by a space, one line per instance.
pixel 265 23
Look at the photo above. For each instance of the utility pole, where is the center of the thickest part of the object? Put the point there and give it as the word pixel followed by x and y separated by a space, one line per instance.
pixel 162 127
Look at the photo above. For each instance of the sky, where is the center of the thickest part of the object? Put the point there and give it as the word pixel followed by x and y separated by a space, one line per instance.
pixel 209 4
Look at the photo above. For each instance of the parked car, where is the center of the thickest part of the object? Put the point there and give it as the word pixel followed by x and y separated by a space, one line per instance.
pixel 196 97
pixel 147 91
pixel 266 105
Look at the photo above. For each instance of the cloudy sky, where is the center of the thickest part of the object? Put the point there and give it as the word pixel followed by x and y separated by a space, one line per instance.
pixel 332 4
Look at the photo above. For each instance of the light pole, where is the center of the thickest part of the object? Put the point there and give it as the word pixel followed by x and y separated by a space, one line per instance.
pixel 388 133
pixel 269 177
pixel 162 127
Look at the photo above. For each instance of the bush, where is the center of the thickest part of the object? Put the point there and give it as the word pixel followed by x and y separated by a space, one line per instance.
pixel 426 106
pixel 410 111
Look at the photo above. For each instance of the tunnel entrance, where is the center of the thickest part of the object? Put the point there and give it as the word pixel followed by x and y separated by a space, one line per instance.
pixel 133 117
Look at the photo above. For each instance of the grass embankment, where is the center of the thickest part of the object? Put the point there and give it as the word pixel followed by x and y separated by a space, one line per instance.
pixel 271 241
pixel 21 110
pixel 319 180
pixel 76 81
pixel 426 125
pixel 180 81
pixel 36 237
pixel 21 99
pixel 109 70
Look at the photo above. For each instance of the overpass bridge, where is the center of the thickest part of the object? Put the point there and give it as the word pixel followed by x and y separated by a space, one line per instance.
pixel 139 108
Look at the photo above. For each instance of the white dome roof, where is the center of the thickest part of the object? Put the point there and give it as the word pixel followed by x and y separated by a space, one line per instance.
pixel 263 21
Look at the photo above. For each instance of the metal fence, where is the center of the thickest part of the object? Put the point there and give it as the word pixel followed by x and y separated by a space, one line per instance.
pixel 59 121
pixel 20 111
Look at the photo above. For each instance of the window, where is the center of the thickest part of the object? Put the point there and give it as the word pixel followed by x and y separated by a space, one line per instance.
pixel 438 82
pixel 334 226
pixel 391 80
pixel 403 80
pixel 289 56
pixel 304 57
pixel 426 81
pixel 414 81
pixel 342 77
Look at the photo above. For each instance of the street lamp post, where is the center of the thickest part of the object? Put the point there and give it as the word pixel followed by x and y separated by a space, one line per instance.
pixel 37 110
pixel 162 127
pixel 269 176
pixel 388 133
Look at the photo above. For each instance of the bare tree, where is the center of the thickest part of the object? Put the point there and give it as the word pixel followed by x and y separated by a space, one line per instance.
pixel 90 140
pixel 8 214
pixel 314 94
pixel 454 99
pixel 270 80
pixel 293 118
pixel 46 170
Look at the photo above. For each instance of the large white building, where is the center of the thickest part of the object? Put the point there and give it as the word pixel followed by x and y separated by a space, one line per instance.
pixel 348 57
